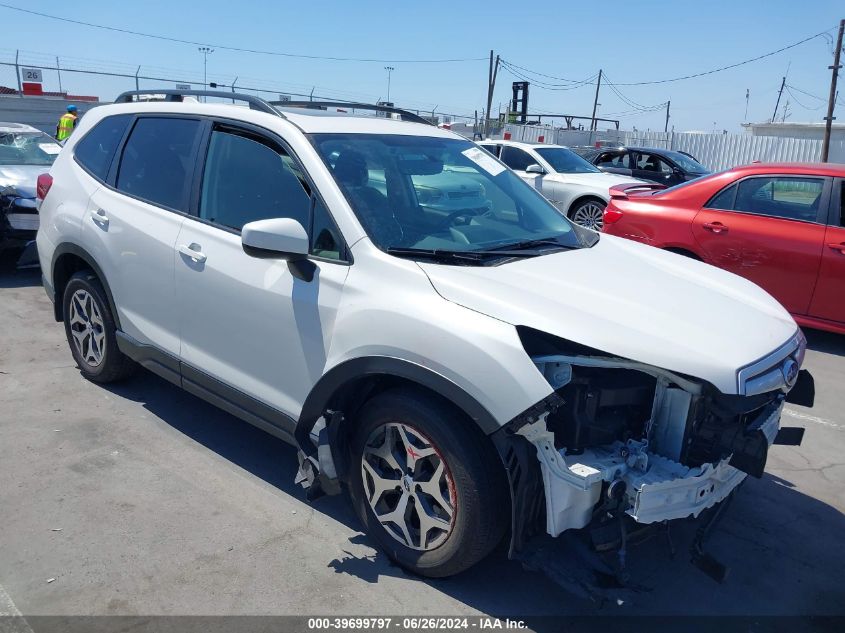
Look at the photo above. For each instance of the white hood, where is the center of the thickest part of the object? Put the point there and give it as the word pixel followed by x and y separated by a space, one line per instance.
pixel 632 301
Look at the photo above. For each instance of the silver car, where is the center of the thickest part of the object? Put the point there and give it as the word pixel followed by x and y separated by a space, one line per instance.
pixel 25 153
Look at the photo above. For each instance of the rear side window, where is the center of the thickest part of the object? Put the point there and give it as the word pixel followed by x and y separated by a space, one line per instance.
pixel 158 161
pixel 618 161
pixel 246 180
pixel 723 200
pixel 96 151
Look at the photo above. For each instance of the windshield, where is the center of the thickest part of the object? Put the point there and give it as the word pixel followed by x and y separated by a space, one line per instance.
pixel 439 194
pixel 687 163
pixel 27 148
pixel 565 161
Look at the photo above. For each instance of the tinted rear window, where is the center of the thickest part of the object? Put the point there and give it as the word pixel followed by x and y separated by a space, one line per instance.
pixel 158 161
pixel 96 150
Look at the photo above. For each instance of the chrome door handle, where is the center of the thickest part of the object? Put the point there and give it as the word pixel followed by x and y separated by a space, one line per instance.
pixel 99 216
pixel 194 251
pixel 715 227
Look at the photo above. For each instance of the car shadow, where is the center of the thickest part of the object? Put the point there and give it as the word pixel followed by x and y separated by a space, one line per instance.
pixel 825 342
pixel 13 277
pixel 783 547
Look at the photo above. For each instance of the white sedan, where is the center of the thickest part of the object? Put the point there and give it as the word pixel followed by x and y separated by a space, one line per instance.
pixel 577 188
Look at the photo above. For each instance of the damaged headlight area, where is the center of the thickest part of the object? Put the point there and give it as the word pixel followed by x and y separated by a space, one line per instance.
pixel 618 436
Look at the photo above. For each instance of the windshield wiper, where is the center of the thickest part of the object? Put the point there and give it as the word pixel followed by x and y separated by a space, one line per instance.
pixel 469 256
pixel 521 247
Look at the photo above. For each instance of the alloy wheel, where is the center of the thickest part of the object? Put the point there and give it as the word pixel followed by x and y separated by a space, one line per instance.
pixel 86 328
pixel 589 215
pixel 408 486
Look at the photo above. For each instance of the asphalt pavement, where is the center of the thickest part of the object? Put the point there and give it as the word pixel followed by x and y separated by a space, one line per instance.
pixel 140 499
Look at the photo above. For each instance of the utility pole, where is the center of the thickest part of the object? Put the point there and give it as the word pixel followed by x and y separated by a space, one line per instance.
pixel 389 70
pixel 206 51
pixel 491 86
pixel 777 103
pixel 596 102
pixel 59 71
pixel 747 95
pixel 666 125
pixel 831 102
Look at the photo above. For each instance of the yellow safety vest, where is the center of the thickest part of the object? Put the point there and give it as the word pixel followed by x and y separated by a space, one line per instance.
pixel 66 123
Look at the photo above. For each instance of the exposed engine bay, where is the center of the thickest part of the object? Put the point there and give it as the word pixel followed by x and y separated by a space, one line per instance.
pixel 641 440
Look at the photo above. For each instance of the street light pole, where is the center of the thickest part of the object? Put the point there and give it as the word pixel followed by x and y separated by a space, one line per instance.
pixel 389 70
pixel 206 51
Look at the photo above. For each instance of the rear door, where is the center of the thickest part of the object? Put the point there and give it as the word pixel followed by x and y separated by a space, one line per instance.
pixel 770 230
pixel 829 296
pixel 615 162
pixel 133 222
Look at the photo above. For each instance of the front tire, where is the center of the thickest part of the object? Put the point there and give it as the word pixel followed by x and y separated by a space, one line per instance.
pixel 91 332
pixel 588 213
pixel 427 486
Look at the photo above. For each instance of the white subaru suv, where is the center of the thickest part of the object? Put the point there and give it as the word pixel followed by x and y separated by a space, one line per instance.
pixel 462 372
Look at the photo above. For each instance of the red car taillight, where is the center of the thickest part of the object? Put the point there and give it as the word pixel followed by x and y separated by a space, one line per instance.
pixel 45 181
pixel 611 216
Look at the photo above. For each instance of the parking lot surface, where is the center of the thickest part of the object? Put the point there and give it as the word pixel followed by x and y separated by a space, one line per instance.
pixel 139 498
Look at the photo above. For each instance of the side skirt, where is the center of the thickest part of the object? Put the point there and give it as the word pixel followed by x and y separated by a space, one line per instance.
pixel 213 391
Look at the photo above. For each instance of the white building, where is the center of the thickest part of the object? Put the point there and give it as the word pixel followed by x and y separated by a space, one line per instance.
pixel 796 130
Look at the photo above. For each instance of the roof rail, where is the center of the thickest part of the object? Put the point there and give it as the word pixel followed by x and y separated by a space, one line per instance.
pixel 255 103
pixel 408 116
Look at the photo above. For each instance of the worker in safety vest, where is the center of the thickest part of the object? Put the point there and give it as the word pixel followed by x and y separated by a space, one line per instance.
pixel 67 123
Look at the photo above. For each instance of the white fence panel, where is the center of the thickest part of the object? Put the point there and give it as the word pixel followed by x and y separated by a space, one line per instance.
pixel 715 151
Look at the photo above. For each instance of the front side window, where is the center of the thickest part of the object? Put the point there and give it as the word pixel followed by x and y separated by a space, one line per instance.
pixel 158 161
pixel 441 194
pixel 96 150
pixel 247 180
pixel 794 198
pixel 565 161
pixel 517 159
pixel 325 236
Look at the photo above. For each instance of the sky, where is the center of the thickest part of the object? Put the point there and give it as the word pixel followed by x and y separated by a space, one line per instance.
pixel 630 41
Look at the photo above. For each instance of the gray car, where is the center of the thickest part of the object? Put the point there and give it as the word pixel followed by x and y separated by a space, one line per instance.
pixel 25 153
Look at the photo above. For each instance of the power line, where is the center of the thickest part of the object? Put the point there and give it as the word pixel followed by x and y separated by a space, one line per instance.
pixel 706 72
pixel 532 72
pixel 794 98
pixel 544 85
pixel 235 48
pixel 728 67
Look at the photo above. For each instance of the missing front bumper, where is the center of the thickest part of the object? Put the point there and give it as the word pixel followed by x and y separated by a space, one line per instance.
pixel 651 487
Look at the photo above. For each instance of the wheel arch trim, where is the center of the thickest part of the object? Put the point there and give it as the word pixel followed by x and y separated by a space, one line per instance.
pixel 343 374
pixel 70 248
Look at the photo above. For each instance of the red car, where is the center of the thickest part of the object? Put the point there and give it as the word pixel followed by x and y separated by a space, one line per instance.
pixel 780 225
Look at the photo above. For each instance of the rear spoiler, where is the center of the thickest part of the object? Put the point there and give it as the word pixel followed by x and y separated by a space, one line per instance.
pixel 619 192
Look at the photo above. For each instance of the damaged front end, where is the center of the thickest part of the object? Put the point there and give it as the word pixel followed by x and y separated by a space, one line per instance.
pixel 622 440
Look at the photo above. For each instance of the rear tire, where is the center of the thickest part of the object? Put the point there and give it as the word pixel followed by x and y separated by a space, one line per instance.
pixel 91 332
pixel 403 442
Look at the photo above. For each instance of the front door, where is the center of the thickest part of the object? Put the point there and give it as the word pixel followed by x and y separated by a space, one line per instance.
pixel 767 229
pixel 256 325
